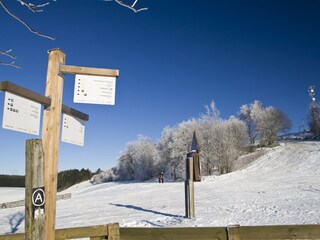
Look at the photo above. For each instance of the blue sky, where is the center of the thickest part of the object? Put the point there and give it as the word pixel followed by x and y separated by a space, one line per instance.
pixel 173 59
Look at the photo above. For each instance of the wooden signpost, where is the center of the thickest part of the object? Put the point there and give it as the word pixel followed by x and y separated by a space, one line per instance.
pixel 44 191
pixel 193 173
pixel 51 128
pixel 51 139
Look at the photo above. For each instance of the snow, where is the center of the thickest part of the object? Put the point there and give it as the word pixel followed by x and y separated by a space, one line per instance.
pixel 281 187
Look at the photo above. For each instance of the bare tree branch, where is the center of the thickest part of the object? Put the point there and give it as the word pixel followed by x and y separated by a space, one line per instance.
pixel 8 54
pixel 23 22
pixel 11 64
pixel 134 3
pixel 131 7
pixel 32 7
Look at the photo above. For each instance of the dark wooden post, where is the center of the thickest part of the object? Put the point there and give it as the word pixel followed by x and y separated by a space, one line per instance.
pixel 189 188
pixel 193 173
pixel 34 218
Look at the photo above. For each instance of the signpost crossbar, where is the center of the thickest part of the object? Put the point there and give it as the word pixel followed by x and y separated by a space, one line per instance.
pixel 36 97
pixel 65 69
pixel 23 92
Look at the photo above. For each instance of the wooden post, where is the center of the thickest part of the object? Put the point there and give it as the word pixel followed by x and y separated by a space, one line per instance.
pixel 34 219
pixel 113 231
pixel 233 232
pixel 51 138
pixel 189 189
pixel 191 185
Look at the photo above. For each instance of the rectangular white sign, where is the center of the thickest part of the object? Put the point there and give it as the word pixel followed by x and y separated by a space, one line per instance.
pixel 94 89
pixel 21 114
pixel 72 130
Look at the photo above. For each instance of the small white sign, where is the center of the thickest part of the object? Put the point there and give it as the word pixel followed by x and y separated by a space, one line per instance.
pixel 21 114
pixel 94 89
pixel 72 130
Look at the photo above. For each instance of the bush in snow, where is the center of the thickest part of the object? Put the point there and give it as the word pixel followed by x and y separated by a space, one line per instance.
pixel 107 176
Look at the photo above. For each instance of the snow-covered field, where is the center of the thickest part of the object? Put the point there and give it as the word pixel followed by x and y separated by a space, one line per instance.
pixel 281 187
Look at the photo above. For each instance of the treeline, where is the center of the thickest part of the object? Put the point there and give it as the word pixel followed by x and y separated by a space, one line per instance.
pixel 221 142
pixel 66 178
pixel 12 181
pixel 69 178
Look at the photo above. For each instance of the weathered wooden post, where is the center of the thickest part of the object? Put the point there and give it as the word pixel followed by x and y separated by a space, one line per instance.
pixel 113 231
pixel 51 138
pixel 193 173
pixel 233 232
pixel 34 199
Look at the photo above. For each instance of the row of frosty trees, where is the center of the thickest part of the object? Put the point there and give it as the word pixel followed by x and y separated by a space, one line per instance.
pixel 221 143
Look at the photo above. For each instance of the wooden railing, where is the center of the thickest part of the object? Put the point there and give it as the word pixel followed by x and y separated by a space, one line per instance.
pixel 110 232
pixel 302 232
pixel 21 203
pixel 113 232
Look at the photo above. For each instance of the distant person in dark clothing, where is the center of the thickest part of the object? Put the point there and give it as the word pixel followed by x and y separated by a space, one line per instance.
pixel 160 177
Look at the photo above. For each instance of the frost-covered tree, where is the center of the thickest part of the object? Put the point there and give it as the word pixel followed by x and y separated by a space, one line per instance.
pixel 182 139
pixel 314 118
pixel 270 123
pixel 245 115
pixel 233 137
pixel 264 123
pixel 173 147
pixel 221 142
pixel 211 113
pixel 208 138
pixel 145 159
pixel 166 153
pixel 139 160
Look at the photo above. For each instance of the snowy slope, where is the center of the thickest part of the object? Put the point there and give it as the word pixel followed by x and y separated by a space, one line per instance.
pixel 281 187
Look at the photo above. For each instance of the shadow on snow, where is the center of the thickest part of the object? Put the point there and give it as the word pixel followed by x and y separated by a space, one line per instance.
pixel 15 220
pixel 144 210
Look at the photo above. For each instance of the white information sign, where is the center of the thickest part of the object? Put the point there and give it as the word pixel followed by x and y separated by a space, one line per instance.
pixel 94 89
pixel 21 114
pixel 72 130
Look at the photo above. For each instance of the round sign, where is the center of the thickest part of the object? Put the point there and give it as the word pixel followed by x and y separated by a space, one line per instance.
pixel 38 197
